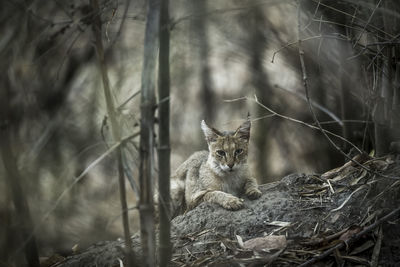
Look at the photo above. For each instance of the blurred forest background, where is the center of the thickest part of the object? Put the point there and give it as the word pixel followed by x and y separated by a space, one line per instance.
pixel 53 113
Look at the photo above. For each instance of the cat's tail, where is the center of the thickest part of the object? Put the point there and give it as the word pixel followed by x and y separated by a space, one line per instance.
pixel 178 205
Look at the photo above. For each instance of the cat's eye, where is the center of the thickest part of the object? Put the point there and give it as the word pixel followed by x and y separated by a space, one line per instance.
pixel 238 151
pixel 221 153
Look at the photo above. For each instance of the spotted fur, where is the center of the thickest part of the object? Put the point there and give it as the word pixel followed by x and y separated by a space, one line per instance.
pixel 220 175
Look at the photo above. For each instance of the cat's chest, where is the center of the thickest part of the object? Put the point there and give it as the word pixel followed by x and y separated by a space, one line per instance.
pixel 232 183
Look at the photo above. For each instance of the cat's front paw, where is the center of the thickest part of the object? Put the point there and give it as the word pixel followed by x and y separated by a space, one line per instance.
pixel 253 193
pixel 232 203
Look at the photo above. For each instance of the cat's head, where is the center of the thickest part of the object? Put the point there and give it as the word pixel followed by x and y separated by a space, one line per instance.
pixel 228 150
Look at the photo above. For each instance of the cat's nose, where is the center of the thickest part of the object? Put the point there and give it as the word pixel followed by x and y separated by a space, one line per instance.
pixel 230 165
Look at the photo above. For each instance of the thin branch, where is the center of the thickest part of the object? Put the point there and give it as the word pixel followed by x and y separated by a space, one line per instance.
pixel 307 39
pixel 128 99
pixel 292 119
pixel 316 105
pixel 347 121
pixel 366 24
pixel 305 84
pixel 351 239
pixel 69 49
pixel 220 11
pixel 380 51
pixel 352 16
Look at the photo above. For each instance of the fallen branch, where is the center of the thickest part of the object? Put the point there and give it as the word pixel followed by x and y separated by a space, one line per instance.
pixel 328 238
pixel 351 240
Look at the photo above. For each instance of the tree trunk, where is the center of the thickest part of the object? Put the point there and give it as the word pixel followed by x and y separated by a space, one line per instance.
pixel 263 91
pixel 146 203
pixel 382 112
pixel 200 33
pixel 13 180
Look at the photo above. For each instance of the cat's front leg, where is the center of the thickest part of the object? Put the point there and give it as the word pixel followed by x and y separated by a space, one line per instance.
pixel 251 189
pixel 226 200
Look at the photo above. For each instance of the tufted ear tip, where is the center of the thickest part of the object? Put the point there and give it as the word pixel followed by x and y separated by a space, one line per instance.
pixel 243 131
pixel 210 133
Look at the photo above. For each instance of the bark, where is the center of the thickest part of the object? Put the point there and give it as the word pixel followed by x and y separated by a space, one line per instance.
pixel 146 203
pixel 164 150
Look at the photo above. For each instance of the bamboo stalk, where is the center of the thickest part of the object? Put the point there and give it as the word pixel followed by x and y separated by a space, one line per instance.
pixel 115 127
pixel 164 149
pixel 146 202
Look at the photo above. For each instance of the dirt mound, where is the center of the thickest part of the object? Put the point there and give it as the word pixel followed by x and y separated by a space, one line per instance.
pixel 296 219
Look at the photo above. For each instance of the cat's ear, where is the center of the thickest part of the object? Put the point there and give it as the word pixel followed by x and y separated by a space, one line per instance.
pixel 210 133
pixel 243 132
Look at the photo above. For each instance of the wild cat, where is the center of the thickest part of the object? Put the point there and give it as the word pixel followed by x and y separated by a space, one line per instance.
pixel 220 175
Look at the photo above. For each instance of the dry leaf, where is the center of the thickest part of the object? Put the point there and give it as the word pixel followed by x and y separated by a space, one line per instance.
pixel 278 223
pixel 75 249
pixel 266 243
pixel 239 240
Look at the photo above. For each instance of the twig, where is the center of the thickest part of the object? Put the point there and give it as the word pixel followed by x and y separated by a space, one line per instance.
pixel 347 121
pixel 352 16
pixel 307 39
pixel 316 105
pixel 305 84
pixel 67 53
pixel 351 239
pixel 366 24
pixel 348 198
pixel 328 238
pixel 293 120
pixel 380 51
pixel 128 99
pixel 221 11
pixel 377 249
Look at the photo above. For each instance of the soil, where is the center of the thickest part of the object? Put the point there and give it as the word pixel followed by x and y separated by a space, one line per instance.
pixel 312 212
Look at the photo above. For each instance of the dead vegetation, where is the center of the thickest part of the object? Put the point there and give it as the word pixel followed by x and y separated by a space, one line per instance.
pixel 344 217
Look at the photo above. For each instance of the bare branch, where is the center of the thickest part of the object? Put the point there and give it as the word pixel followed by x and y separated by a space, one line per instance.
pixel 351 240
pixel 305 84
